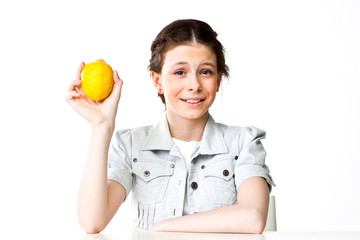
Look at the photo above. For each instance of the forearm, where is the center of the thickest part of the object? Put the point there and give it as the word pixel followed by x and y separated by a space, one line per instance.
pixel 247 216
pixel 92 198
pixel 230 219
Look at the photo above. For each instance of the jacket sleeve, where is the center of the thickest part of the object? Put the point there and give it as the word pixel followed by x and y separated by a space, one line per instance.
pixel 251 160
pixel 119 159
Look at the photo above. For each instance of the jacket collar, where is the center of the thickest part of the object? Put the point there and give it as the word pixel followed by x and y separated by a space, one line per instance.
pixel 159 137
pixel 212 142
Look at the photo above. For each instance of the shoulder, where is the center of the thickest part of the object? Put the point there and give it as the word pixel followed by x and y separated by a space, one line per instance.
pixel 125 141
pixel 127 134
pixel 240 136
pixel 247 132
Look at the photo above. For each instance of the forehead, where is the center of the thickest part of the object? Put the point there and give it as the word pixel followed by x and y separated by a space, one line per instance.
pixel 190 53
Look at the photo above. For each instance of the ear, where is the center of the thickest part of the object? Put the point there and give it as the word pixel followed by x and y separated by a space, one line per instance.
pixel 156 81
pixel 219 81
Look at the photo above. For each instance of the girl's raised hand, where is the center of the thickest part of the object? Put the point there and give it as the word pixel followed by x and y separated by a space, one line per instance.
pixel 96 113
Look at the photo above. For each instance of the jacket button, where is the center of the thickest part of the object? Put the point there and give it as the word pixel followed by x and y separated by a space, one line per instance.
pixel 203 166
pixel 172 165
pixel 194 185
pixel 226 173
pixel 236 157
pixel 135 160
pixel 146 173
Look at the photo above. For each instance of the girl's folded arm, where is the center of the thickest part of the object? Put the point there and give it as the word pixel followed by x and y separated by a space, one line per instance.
pixel 247 216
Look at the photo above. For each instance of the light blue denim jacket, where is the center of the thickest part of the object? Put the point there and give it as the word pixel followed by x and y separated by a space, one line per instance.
pixel 147 161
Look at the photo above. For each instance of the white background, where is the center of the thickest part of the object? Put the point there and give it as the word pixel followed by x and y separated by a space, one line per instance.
pixel 294 72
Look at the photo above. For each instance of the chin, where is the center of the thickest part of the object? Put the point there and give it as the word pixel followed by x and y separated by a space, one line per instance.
pixel 194 116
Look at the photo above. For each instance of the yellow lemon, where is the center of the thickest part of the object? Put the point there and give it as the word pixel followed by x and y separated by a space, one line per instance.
pixel 97 80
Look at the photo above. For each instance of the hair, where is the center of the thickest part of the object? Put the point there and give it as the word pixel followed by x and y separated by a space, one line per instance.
pixel 182 32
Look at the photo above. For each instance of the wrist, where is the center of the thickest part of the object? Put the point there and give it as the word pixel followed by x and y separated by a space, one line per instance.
pixel 163 226
pixel 104 126
pixel 156 228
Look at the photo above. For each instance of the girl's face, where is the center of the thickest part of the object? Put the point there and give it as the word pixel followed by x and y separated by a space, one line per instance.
pixel 189 81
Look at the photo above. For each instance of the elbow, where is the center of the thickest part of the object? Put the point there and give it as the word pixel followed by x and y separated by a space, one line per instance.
pixel 91 227
pixel 258 228
pixel 254 223
pixel 258 222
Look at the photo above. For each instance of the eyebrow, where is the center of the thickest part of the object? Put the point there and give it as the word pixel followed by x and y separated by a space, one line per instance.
pixel 209 63
pixel 178 63
pixel 185 63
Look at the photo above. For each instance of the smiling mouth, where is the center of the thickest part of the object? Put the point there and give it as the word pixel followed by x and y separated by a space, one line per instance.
pixel 193 100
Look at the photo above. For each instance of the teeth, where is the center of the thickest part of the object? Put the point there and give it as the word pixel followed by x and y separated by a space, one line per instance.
pixel 192 101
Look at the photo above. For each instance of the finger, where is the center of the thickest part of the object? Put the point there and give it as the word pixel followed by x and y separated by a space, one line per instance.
pixel 78 73
pixel 74 84
pixel 72 95
pixel 115 93
pixel 117 85
pixel 116 77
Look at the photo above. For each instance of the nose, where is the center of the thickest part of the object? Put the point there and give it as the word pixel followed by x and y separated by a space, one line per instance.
pixel 193 83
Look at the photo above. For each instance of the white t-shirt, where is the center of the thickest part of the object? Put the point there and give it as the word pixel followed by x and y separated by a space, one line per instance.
pixel 187 149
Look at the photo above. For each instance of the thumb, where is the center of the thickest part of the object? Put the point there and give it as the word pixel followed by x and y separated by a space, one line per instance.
pixel 116 92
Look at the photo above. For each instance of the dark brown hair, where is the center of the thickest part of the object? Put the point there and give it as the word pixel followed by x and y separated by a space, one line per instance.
pixel 181 32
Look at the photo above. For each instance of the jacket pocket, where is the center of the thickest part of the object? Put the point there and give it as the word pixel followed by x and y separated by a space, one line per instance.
pixel 151 180
pixel 220 182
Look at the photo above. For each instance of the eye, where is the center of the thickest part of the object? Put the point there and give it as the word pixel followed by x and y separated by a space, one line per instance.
pixel 180 73
pixel 206 72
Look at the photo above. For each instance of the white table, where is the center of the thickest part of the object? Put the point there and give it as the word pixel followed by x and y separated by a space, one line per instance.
pixel 207 236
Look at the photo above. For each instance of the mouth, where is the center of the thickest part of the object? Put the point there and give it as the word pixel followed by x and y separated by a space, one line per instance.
pixel 193 101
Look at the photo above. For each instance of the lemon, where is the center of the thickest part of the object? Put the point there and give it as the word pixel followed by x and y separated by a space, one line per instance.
pixel 97 80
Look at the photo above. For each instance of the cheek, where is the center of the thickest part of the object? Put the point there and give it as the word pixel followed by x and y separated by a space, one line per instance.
pixel 171 86
pixel 211 87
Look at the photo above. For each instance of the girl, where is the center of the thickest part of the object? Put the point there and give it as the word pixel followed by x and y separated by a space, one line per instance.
pixel 187 173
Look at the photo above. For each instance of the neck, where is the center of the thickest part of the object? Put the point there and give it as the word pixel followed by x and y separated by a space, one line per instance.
pixel 187 129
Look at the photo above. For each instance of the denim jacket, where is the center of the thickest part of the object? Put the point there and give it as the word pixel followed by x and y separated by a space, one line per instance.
pixel 146 161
